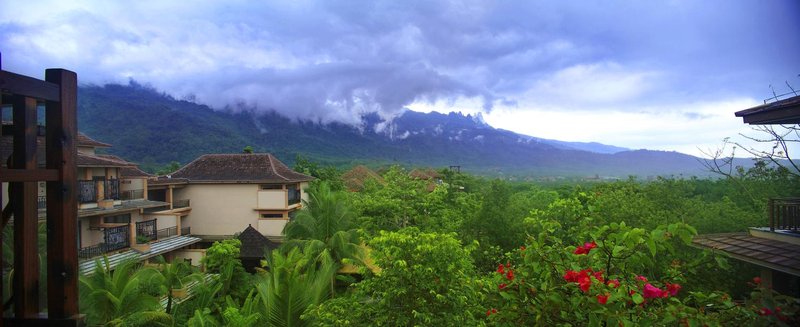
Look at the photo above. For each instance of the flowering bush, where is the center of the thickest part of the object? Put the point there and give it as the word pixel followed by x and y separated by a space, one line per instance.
pixel 617 276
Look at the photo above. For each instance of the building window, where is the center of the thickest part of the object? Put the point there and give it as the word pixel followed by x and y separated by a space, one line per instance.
pixel 118 219
pixel 272 215
pixel 271 187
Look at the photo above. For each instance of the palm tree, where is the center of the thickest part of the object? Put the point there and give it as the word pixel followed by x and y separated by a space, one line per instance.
pixel 323 228
pixel 119 296
pixel 290 285
pixel 175 275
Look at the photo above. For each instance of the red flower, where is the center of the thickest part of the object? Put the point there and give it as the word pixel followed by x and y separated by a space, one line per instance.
pixel 602 299
pixel 571 276
pixel 501 269
pixel 614 283
pixel 584 249
pixel 598 275
pixel 501 286
pixel 642 278
pixel 757 280
pixel 522 248
pixel 651 291
pixel 673 289
pixel 510 275
pixel 764 311
pixel 631 292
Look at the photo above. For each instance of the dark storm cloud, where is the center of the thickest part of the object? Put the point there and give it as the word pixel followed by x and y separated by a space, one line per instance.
pixel 333 60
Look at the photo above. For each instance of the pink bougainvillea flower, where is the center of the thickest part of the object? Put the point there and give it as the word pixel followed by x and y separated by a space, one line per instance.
pixel 673 289
pixel 510 275
pixel 642 278
pixel 651 291
pixel 614 283
pixel 501 269
pixel 580 250
pixel 602 299
pixel 501 286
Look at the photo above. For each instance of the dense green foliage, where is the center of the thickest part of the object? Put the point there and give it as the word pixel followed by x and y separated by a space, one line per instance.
pixel 454 249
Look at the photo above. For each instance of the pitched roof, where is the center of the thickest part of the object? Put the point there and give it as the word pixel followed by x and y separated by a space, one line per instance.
pixel 785 111
pixel 102 160
pixel 84 140
pixel 253 243
pixel 773 254
pixel 133 172
pixel 239 168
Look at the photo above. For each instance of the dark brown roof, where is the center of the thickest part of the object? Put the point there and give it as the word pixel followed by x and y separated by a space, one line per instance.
pixel 165 180
pixel 102 160
pixel 773 254
pixel 239 168
pixel 254 244
pixel 133 172
pixel 84 140
pixel 786 111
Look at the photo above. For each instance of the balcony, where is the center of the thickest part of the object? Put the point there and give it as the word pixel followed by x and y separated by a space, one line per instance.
pixel 90 189
pixel 114 238
pixel 146 229
pixel 784 214
pixel 180 204
pixel 132 194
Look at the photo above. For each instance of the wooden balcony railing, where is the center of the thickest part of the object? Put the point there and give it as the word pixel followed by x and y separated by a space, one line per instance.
pixel 186 230
pixel 784 214
pixel 146 229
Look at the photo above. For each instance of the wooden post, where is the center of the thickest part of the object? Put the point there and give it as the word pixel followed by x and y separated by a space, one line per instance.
pixel 62 199
pixel 771 208
pixel 26 256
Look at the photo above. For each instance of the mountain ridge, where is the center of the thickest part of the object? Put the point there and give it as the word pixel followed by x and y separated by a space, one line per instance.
pixel 154 129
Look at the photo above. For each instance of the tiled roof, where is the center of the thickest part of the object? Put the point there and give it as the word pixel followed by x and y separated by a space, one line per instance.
pixel 165 180
pixel 133 172
pixel 239 168
pixel 84 140
pixel 253 243
pixel 102 160
pixel 773 254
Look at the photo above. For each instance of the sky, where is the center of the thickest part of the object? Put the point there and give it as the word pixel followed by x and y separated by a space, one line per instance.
pixel 665 75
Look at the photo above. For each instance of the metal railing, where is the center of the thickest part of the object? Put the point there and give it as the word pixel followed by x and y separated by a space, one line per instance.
pixel 186 230
pixel 114 238
pixel 87 191
pixel 146 229
pixel 180 203
pixel 167 232
pixel 784 214
pixel 132 194
pixel 112 189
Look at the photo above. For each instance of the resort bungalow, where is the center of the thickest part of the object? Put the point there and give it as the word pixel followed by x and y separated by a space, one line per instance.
pixel 229 192
pixel 775 247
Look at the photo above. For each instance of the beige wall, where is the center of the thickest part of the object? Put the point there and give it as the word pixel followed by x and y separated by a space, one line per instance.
pixel 220 209
pixel 133 184
pixel 272 199
pixel 194 254
pixel 164 221
pixel 271 227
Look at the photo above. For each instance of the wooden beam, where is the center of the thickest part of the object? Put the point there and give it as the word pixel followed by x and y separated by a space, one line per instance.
pixel 28 86
pixel 26 256
pixel 28 175
pixel 62 198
